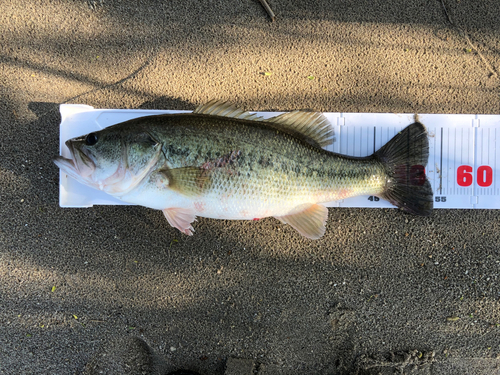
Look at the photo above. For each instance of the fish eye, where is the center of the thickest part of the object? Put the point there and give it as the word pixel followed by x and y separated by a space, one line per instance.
pixel 91 139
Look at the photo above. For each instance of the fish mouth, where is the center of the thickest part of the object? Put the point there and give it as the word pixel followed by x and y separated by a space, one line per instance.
pixel 65 164
pixel 68 166
pixel 80 166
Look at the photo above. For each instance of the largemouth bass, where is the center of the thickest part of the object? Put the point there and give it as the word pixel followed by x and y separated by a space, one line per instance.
pixel 224 163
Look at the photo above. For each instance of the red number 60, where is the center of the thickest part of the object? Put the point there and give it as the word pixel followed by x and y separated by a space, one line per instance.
pixel 484 175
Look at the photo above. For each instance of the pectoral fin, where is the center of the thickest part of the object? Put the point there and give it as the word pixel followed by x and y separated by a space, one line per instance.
pixel 181 218
pixel 188 181
pixel 309 222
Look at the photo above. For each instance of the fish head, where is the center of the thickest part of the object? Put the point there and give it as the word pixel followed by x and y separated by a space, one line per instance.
pixel 113 160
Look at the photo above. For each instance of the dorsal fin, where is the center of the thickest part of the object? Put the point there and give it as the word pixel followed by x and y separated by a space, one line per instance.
pixel 312 127
pixel 218 108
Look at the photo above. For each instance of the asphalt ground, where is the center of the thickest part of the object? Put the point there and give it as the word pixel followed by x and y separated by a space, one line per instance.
pixel 75 282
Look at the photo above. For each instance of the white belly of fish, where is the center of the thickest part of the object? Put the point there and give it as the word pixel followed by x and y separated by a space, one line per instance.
pixel 212 205
pixel 232 209
pixel 159 199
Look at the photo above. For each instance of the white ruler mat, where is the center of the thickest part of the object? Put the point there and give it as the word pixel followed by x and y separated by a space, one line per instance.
pixel 463 167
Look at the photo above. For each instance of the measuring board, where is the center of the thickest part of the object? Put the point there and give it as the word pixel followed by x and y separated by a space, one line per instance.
pixel 463 166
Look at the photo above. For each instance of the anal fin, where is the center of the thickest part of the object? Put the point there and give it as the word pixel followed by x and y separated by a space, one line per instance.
pixel 181 218
pixel 309 222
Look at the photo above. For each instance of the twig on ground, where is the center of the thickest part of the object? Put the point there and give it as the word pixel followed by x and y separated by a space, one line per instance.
pixel 464 34
pixel 268 9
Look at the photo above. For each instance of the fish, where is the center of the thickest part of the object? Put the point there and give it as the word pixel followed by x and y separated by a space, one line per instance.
pixel 224 163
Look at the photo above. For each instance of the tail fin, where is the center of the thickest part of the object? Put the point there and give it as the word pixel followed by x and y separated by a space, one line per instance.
pixel 404 158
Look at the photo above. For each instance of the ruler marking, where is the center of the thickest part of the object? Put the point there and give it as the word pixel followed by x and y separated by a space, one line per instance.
pixel 474 163
pixel 349 148
pixel 487 143
pixel 434 164
pixel 447 166
pixel 345 144
pixel 361 132
pixel 484 150
pixel 354 143
pixel 456 190
pixel 492 151
pixel 478 159
pixel 441 166
pixel 339 140
pixel 353 152
pixel 374 137
pixel 461 145
pixel 361 139
pixel 495 158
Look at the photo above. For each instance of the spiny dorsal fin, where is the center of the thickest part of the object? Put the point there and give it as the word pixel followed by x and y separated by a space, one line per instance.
pixel 312 126
pixel 218 108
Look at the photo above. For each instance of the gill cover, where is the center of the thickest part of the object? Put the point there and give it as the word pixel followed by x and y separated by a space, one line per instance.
pixel 111 160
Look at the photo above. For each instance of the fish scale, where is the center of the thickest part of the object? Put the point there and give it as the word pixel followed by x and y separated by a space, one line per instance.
pixel 272 172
